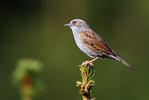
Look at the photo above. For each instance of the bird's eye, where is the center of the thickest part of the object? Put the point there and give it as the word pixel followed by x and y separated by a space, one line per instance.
pixel 74 22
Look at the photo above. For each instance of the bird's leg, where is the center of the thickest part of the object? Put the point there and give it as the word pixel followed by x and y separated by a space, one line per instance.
pixel 90 62
pixel 93 59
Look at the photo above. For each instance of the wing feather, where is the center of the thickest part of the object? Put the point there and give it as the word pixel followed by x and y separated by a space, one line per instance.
pixel 94 42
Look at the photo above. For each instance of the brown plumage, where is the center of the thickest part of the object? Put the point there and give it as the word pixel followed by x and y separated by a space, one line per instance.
pixel 94 42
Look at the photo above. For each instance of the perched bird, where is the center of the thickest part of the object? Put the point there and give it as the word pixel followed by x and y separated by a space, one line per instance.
pixel 91 43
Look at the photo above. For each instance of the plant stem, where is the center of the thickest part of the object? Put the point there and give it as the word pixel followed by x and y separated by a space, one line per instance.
pixel 26 98
pixel 87 74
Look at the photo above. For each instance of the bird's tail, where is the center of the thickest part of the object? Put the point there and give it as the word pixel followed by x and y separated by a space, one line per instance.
pixel 124 62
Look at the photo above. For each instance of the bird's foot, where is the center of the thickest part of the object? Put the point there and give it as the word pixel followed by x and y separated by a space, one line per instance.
pixel 88 63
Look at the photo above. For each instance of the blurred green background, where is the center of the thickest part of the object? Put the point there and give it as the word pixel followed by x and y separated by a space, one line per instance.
pixel 35 29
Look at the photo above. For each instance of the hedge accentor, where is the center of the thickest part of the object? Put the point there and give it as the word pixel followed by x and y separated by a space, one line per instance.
pixel 91 43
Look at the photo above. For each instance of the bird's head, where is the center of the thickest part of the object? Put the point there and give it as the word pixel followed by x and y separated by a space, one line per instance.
pixel 76 24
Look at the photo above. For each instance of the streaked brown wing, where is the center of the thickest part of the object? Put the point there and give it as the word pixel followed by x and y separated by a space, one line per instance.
pixel 95 42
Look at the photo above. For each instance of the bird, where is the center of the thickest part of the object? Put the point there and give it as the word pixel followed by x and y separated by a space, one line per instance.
pixel 91 43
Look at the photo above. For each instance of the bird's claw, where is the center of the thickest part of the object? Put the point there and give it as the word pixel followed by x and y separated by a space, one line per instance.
pixel 88 63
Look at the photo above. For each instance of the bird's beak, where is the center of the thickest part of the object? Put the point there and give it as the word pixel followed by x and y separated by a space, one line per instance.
pixel 67 25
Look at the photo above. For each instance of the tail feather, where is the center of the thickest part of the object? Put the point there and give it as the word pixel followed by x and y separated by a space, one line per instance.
pixel 124 62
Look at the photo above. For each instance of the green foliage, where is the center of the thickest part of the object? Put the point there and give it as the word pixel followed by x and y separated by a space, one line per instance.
pixel 25 66
pixel 26 77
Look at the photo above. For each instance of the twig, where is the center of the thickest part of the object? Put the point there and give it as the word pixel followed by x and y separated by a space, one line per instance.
pixel 87 74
